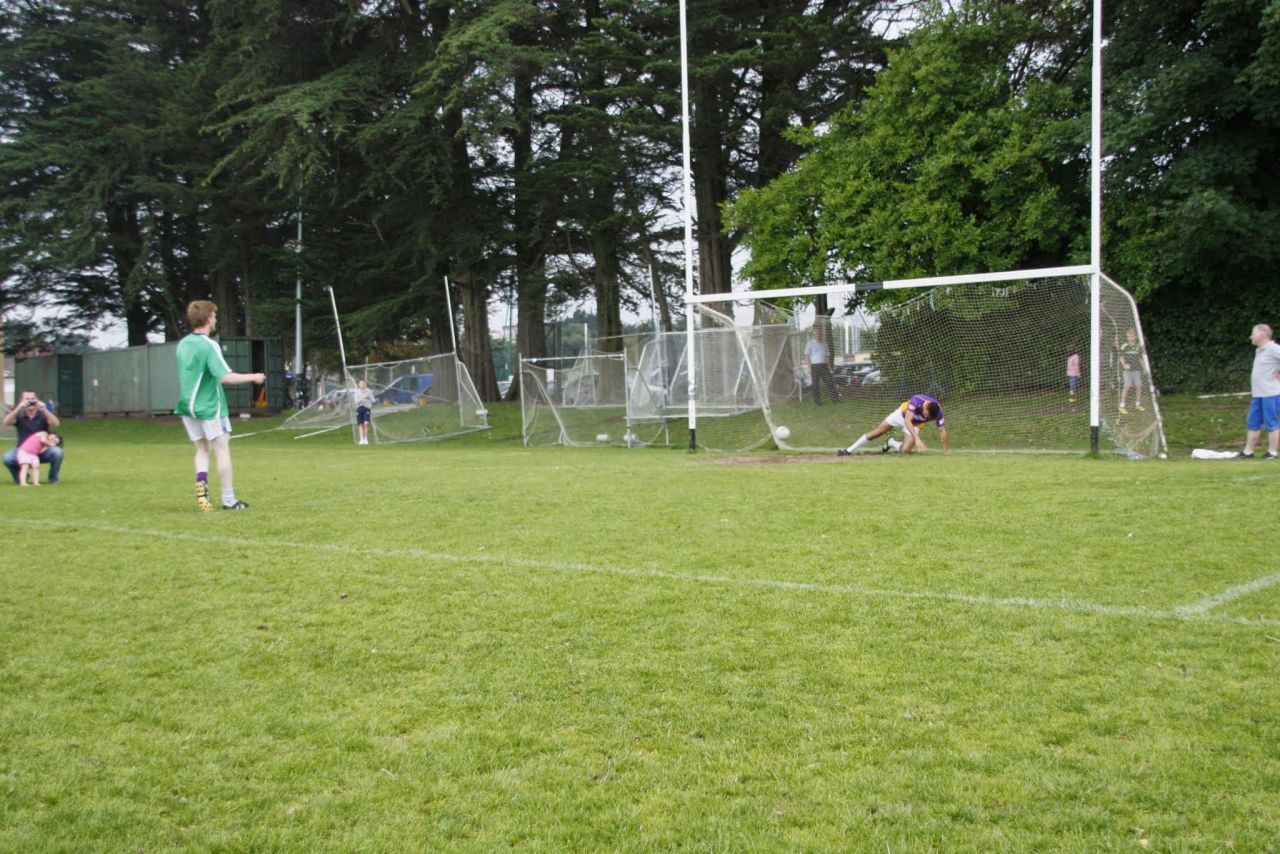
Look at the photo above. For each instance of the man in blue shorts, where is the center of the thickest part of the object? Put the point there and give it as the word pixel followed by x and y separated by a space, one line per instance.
pixel 1264 407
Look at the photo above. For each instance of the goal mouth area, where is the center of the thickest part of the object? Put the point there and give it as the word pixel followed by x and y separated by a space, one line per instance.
pixel 1010 357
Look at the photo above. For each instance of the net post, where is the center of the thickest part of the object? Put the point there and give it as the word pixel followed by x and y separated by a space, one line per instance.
pixel 687 181
pixel 1095 233
pixel 1095 359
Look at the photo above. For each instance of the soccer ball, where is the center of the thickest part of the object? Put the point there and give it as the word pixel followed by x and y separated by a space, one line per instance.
pixel 782 434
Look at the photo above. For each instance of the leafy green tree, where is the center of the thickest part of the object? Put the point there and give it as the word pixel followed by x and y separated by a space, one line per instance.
pixel 955 162
pixel 98 161
pixel 1193 181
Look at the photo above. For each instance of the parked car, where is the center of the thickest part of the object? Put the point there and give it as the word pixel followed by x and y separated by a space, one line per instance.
pixel 857 375
pixel 410 388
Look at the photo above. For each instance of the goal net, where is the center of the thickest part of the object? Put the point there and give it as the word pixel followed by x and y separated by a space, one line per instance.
pixel 431 397
pixel 995 354
pixel 582 400
pixel 332 410
pixel 736 369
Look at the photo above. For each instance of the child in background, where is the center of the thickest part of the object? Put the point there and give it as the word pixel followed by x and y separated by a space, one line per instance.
pixel 364 407
pixel 1073 374
pixel 29 455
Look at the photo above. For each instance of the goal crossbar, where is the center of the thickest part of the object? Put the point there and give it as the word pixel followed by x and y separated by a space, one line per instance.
pixel 894 284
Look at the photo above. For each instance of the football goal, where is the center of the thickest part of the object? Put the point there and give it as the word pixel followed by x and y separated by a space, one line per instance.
pixel 431 397
pixel 582 400
pixel 1008 359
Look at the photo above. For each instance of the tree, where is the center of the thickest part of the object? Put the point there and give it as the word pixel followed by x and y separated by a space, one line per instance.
pixel 1193 185
pixel 958 161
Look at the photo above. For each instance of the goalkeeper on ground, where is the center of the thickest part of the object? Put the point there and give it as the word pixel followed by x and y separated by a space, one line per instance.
pixel 910 416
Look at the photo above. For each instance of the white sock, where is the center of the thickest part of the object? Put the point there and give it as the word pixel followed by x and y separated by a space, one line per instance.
pixel 228 497
pixel 862 440
pixel 894 444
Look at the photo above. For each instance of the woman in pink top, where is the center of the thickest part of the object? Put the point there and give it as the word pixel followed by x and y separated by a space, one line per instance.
pixel 29 455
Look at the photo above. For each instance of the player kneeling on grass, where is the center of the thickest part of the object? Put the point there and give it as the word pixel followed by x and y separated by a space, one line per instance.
pixel 909 417
pixel 202 373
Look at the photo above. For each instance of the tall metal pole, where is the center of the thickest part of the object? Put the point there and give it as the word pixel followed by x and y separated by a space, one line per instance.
pixel 691 362
pixel 448 301
pixel 299 369
pixel 457 363
pixel 342 349
pixel 1095 236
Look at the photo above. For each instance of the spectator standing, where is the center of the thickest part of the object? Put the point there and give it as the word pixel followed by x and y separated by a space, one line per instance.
pixel 1264 405
pixel 818 356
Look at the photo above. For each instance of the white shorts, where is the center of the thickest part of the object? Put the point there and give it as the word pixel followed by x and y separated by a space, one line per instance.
pixel 896 419
pixel 210 428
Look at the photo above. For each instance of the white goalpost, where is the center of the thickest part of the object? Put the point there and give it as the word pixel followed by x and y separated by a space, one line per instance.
pixel 993 347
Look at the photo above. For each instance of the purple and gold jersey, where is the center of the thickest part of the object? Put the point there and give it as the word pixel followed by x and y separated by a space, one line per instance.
pixel 914 408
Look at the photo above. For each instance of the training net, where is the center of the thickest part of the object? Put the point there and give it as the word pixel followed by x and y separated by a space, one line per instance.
pixel 736 368
pixel 582 400
pixel 999 357
pixel 413 400
pixel 333 410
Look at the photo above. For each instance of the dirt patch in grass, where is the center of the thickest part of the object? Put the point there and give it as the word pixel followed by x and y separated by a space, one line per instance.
pixel 776 459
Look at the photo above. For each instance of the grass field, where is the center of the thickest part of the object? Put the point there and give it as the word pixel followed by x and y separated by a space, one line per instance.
pixel 472 645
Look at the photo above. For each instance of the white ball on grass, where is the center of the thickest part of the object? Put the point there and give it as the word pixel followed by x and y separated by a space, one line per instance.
pixel 782 433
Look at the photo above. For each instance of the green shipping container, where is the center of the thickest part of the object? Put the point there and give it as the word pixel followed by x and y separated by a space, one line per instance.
pixel 144 380
pixel 116 382
pixel 58 378
pixel 162 365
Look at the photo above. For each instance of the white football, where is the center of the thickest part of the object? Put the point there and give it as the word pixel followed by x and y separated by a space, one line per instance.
pixel 782 434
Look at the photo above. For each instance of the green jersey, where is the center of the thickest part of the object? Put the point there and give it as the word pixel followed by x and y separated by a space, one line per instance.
pixel 200 369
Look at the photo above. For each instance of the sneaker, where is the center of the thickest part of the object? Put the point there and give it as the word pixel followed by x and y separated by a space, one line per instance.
pixel 203 504
pixel 886 448
pixel 1140 408
pixel 1243 456
pixel 843 452
pixel 239 505
pixel 1124 411
pixel 1269 456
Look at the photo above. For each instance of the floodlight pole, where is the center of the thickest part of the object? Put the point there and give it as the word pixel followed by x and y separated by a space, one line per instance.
pixel 690 338
pixel 1095 236
pixel 299 369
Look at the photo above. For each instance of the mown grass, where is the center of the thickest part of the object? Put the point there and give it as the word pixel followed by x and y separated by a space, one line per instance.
pixel 473 645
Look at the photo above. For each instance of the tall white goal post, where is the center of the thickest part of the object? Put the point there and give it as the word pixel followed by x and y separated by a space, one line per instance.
pixel 1097 281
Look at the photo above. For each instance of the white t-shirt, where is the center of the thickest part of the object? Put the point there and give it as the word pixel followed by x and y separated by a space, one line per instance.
pixel 816 352
pixel 1265 364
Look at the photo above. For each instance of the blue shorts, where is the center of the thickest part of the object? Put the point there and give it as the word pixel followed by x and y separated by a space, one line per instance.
pixel 362 415
pixel 1264 412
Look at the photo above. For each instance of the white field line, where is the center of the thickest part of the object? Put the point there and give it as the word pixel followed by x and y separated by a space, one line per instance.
pixel 1199 611
pixel 1238 591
